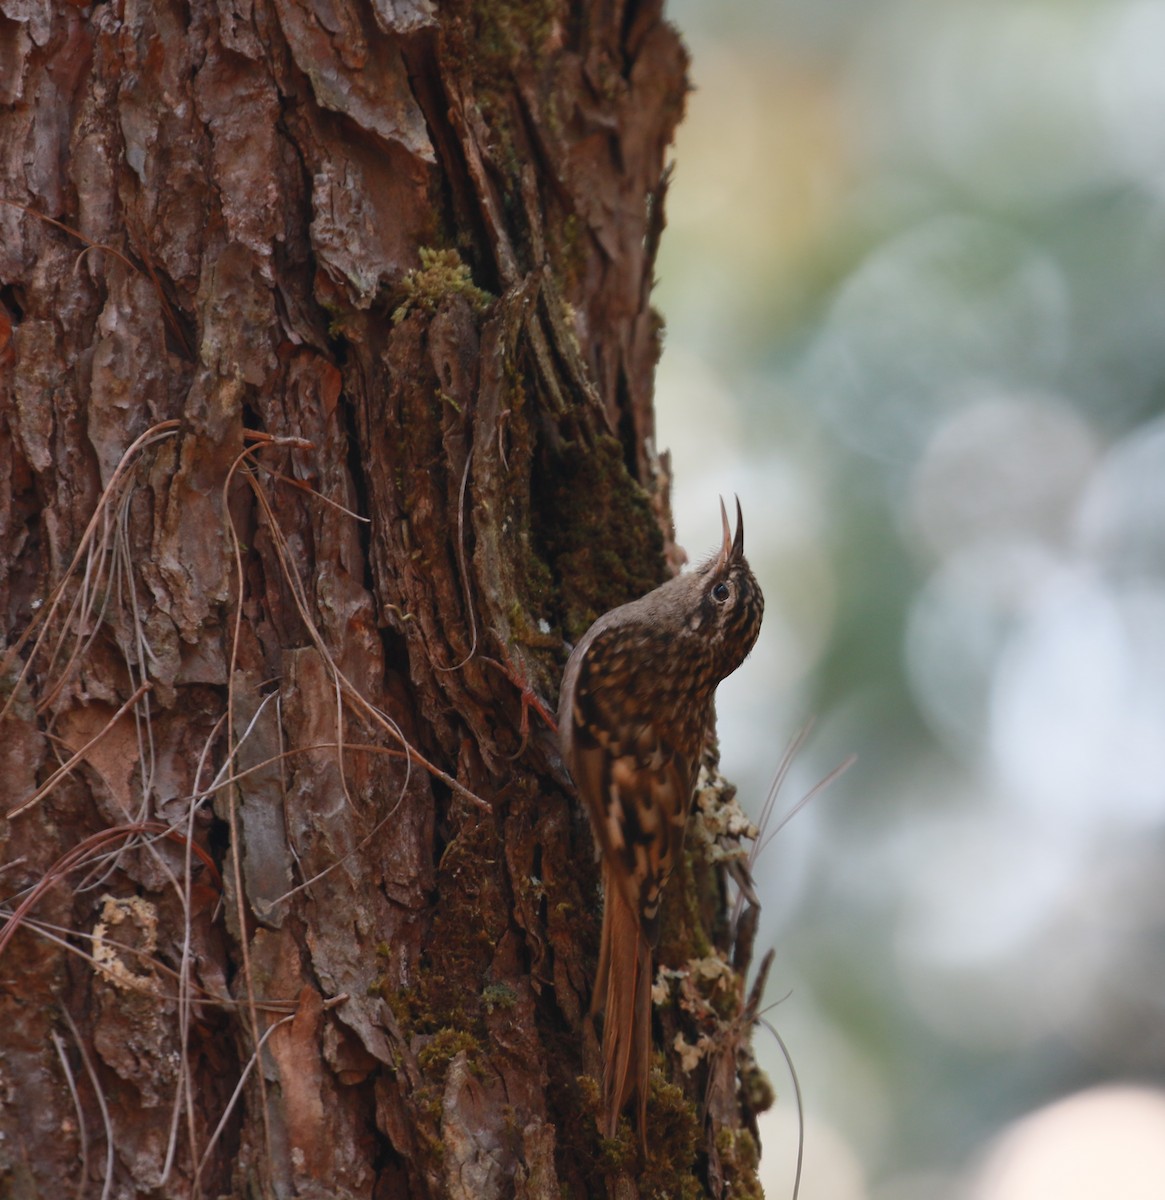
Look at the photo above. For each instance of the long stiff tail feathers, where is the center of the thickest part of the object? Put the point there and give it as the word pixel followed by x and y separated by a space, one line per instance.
pixel 623 990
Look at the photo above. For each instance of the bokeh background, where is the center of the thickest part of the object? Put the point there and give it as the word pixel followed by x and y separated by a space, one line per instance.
pixel 914 283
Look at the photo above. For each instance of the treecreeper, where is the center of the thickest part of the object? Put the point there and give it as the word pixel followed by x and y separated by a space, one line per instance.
pixel 633 715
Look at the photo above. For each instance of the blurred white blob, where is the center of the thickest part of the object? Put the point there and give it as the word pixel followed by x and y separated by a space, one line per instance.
pixel 959 625
pixel 832 1170
pixel 1121 525
pixel 1040 639
pixel 1105 1142
pixel 1066 100
pixel 698 421
pixel 1003 467
pixel 918 1185
pixel 1032 132
pixel 1031 990
pixel 951 304
pixel 980 888
pixel 1078 706
pixel 1015 931
pixel 1131 87
pixel 1079 700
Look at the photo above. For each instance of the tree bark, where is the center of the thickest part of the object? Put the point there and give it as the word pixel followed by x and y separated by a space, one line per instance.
pixel 326 361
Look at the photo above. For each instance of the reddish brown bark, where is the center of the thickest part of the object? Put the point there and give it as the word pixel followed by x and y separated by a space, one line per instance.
pixel 326 363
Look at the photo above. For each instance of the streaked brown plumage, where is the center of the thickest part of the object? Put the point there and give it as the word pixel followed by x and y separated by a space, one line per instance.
pixel 633 713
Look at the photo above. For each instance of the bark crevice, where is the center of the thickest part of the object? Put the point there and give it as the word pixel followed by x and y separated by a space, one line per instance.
pixel 326 361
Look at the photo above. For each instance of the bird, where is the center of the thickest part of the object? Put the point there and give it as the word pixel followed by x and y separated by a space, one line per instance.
pixel 634 711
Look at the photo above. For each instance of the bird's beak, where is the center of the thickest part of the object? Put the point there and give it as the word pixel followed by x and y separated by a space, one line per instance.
pixel 732 547
pixel 726 546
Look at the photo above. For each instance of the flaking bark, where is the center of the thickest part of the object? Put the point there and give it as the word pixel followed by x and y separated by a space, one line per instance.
pixel 326 362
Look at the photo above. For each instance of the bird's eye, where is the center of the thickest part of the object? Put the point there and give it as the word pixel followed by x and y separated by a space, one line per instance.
pixel 720 592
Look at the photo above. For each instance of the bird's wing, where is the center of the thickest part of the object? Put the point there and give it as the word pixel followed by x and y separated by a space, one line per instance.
pixel 637 787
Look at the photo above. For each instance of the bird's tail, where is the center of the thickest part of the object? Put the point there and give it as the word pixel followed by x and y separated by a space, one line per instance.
pixel 623 988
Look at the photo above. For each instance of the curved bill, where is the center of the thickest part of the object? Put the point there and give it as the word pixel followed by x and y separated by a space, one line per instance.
pixel 726 547
pixel 732 547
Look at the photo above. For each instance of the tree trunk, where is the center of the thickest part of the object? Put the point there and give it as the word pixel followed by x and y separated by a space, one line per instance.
pixel 326 365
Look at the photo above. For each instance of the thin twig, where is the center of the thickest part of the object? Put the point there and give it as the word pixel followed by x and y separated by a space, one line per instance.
pixel 67 768
pixel 149 273
pixel 350 692
pixel 82 1132
pixel 251 1063
pixel 99 1093
pixel 233 821
pixel 815 790
pixel 800 1103
pixel 47 612
pixel 69 861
